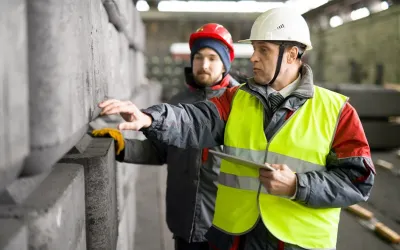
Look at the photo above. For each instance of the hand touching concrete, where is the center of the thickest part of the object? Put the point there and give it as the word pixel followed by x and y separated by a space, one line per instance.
pixel 135 119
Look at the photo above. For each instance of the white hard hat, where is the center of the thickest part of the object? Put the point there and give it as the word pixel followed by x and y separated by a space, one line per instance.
pixel 280 24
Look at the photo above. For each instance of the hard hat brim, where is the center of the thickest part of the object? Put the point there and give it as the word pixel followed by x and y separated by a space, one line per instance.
pixel 245 41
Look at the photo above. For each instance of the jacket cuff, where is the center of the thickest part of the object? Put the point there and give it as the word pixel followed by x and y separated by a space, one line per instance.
pixel 303 189
pixel 156 119
pixel 295 191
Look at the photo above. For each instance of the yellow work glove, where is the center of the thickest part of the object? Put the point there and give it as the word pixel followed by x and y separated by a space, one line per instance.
pixel 113 133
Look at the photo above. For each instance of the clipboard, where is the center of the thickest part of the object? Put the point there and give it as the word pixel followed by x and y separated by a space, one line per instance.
pixel 241 161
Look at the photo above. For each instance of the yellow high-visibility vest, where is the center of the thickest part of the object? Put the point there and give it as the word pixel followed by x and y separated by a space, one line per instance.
pixel 302 143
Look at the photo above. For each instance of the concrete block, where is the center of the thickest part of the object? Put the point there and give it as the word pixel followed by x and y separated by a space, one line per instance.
pixel 126 177
pixel 139 32
pixel 82 240
pixel 100 192
pixel 125 85
pixel 140 67
pixel 381 134
pixel 67 72
pixel 346 53
pixel 133 71
pixel 114 14
pixel 21 188
pixel 123 233
pixel 123 6
pixel 113 78
pixel 100 28
pixel 148 206
pixel 365 97
pixel 13 235
pixel 53 67
pixel 130 27
pixel 54 211
pixel 130 209
pixel 121 170
pixel 14 130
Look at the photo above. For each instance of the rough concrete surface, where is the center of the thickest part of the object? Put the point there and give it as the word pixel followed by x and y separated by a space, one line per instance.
pixel 82 240
pixel 54 211
pixel 133 72
pixel 365 97
pixel 100 192
pixel 353 43
pixel 130 209
pixel 127 224
pixel 53 68
pixel 125 85
pixel 140 67
pixel 114 76
pixel 381 134
pixel 14 131
pixel 148 233
pixel 126 177
pixel 151 232
pixel 21 188
pixel 123 237
pixel 13 235
pixel 98 44
pixel 114 14
pixel 139 32
pixel 129 30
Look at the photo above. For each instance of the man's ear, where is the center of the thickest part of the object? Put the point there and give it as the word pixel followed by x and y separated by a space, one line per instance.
pixel 292 54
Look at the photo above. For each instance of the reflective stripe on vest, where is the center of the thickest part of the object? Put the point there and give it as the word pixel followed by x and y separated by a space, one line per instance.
pixel 302 143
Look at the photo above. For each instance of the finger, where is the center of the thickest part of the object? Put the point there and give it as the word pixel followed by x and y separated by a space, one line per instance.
pixel 107 102
pixel 266 173
pixel 266 182
pixel 116 108
pixel 277 166
pixel 285 167
pixel 110 106
pixel 129 126
pixel 116 104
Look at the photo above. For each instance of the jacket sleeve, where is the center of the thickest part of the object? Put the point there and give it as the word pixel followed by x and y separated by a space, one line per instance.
pixel 144 152
pixel 349 174
pixel 198 125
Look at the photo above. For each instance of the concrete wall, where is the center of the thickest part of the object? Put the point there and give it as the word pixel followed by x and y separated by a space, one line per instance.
pixel 59 59
pixel 353 51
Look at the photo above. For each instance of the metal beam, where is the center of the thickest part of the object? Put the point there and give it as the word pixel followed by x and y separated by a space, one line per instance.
pixel 155 15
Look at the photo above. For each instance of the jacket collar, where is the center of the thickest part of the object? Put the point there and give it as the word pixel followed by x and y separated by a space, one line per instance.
pixel 304 90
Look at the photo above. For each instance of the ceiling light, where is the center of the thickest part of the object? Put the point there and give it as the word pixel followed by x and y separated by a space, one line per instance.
pixel 335 21
pixel 384 5
pixel 142 5
pixel 216 6
pixel 359 13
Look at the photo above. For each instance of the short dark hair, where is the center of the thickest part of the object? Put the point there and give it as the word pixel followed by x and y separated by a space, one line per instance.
pixel 301 47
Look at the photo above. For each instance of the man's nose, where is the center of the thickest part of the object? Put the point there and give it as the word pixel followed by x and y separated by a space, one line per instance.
pixel 206 64
pixel 254 58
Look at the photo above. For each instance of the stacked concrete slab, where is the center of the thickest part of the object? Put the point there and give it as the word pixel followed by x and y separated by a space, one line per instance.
pixel 14 136
pixel 60 188
pixel 376 106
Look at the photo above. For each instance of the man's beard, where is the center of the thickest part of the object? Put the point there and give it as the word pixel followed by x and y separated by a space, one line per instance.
pixel 204 79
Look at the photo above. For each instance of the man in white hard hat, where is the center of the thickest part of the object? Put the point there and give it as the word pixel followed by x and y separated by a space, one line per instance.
pixel 311 136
